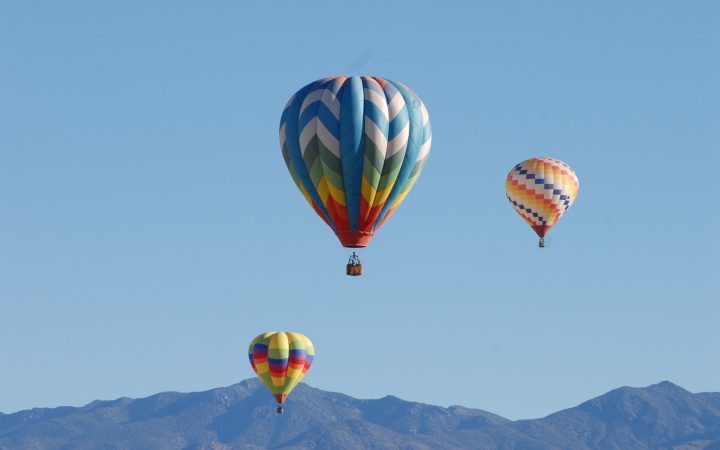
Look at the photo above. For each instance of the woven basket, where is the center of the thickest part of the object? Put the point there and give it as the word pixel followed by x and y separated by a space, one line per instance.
pixel 354 270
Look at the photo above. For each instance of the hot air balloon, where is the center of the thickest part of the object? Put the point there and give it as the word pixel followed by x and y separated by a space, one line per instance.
pixel 355 146
pixel 541 190
pixel 280 360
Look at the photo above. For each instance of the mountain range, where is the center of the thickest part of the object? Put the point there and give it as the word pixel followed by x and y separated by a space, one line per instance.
pixel 242 416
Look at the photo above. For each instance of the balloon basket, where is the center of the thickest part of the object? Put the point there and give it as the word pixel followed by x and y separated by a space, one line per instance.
pixel 279 410
pixel 354 270
pixel 541 244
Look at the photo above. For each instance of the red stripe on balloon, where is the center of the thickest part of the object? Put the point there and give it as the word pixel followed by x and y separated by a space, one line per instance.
pixel 308 362
pixel 338 213
pixel 371 215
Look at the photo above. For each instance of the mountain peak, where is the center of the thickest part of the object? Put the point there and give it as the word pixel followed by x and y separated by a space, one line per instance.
pixel 666 386
pixel 663 389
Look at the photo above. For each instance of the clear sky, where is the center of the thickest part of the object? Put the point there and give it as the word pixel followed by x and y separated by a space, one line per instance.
pixel 149 228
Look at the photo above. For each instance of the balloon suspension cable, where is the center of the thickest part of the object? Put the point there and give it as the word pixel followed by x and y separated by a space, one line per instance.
pixel 541 243
pixel 279 410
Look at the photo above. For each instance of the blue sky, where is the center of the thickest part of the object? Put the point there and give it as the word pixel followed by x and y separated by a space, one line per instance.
pixel 149 228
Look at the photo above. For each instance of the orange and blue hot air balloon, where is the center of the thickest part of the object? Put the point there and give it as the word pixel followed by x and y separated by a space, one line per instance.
pixel 541 190
pixel 355 146
pixel 281 360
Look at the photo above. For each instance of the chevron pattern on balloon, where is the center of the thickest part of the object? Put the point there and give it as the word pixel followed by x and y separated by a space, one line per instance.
pixel 355 146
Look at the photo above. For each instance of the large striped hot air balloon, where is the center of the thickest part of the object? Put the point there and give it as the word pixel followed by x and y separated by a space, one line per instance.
pixel 355 146
pixel 281 360
pixel 541 190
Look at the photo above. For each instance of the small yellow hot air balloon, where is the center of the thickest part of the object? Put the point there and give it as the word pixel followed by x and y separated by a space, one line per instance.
pixel 280 360
pixel 541 190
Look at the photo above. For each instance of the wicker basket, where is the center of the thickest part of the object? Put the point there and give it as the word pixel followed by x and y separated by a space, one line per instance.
pixel 354 270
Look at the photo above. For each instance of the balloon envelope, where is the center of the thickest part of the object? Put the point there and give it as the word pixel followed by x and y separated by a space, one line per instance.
pixel 541 190
pixel 355 146
pixel 281 360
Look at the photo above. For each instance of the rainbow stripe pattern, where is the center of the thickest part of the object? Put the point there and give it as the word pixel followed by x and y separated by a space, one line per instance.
pixel 355 146
pixel 281 360
pixel 541 190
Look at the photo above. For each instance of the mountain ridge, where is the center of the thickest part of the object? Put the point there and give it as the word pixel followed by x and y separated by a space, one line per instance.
pixel 241 416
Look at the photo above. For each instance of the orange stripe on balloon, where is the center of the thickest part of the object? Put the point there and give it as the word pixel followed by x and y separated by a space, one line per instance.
pixel 387 216
pixel 528 194
pixel 381 81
